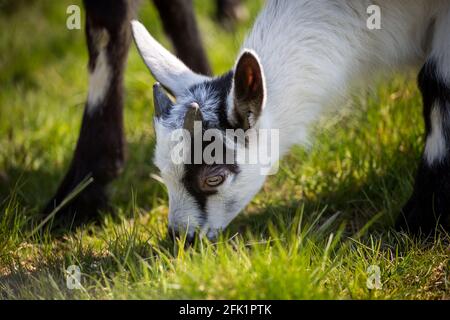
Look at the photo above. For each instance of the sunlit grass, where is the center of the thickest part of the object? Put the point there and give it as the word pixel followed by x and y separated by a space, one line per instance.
pixel 312 231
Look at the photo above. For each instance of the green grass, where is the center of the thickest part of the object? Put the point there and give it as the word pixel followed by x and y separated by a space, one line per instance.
pixel 311 233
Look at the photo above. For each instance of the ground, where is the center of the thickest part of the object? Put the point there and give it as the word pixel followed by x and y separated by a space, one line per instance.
pixel 311 233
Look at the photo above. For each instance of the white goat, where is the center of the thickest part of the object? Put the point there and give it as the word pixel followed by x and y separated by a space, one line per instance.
pixel 300 61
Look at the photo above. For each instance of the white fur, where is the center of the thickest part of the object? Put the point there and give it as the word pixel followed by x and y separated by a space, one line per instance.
pixel 100 77
pixel 440 50
pixel 233 196
pixel 435 148
pixel 311 65
pixel 313 52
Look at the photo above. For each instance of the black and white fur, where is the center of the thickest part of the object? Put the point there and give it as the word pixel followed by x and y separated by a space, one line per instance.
pixel 301 59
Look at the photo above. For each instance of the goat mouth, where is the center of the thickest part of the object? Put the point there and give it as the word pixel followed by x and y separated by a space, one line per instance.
pixel 212 235
pixel 190 237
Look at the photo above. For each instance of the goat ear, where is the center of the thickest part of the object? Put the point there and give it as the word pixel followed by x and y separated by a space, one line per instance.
pixel 249 90
pixel 173 74
pixel 161 101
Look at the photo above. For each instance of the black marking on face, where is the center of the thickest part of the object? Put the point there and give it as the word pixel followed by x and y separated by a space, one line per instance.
pixel 211 97
pixel 220 88
pixel 194 174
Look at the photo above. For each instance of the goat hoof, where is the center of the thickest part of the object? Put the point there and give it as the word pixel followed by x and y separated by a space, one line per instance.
pixel 418 219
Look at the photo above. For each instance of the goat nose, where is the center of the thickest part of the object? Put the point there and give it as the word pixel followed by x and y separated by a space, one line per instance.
pixel 174 234
pixel 190 239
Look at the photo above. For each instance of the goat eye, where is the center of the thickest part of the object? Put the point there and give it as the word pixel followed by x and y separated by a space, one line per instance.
pixel 214 181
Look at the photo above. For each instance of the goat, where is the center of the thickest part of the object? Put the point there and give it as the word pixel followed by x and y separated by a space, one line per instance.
pixel 300 60
pixel 100 150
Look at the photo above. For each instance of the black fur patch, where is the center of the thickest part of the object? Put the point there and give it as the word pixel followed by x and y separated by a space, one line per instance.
pixel 430 201
pixel 434 92
pixel 219 87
